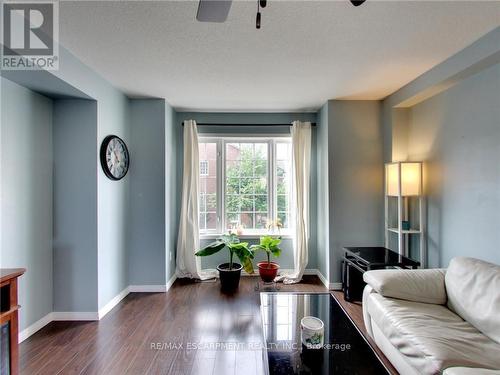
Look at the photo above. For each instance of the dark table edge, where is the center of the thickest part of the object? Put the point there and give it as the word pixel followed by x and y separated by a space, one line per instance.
pixel 380 359
pixel 343 310
pixel 394 264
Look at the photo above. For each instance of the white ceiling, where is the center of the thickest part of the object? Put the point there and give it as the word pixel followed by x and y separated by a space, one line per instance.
pixel 306 52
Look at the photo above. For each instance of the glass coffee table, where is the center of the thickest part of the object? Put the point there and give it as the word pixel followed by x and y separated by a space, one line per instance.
pixel 345 350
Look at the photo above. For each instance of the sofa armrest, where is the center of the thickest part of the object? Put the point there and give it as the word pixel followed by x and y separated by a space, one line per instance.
pixel 424 285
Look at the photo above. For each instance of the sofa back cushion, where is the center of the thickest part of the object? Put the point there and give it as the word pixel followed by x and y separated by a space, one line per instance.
pixel 424 285
pixel 473 288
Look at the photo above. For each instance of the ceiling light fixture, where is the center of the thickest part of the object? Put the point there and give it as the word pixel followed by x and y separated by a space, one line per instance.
pixel 257 19
pixel 218 10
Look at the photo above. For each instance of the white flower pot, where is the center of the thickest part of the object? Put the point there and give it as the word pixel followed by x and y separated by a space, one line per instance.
pixel 312 332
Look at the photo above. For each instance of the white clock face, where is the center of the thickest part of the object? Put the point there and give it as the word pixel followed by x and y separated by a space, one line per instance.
pixel 117 159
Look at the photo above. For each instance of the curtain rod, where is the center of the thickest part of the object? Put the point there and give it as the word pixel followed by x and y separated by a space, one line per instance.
pixel 236 125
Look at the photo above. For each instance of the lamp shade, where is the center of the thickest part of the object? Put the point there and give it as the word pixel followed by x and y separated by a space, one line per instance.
pixel 410 174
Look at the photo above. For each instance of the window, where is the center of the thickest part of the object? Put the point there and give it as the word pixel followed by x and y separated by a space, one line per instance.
pixel 246 184
pixel 208 187
pixel 203 168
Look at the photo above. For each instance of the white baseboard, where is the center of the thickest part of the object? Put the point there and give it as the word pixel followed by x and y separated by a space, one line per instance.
pixel 35 327
pixel 330 286
pixel 171 281
pixel 147 288
pixel 323 279
pixel 91 315
pixel 115 301
pixel 75 315
pixel 335 286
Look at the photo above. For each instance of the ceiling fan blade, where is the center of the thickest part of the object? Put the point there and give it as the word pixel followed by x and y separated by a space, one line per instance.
pixel 213 10
pixel 357 3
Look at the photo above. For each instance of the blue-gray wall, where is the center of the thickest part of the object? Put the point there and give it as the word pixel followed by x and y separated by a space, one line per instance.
pixel 172 202
pixel 112 196
pixel 449 119
pixel 75 205
pixel 286 259
pixel 322 194
pixel 355 178
pixel 457 134
pixel 75 80
pixel 112 200
pixel 147 193
pixel 26 195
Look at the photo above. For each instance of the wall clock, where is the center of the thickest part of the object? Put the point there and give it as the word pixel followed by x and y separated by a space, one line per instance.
pixel 114 157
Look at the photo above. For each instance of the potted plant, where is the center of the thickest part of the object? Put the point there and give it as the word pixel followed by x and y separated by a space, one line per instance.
pixel 270 245
pixel 230 273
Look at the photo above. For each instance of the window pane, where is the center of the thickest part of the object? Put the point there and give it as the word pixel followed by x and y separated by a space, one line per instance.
pixel 281 168
pixel 203 167
pixel 232 203
pixel 202 149
pixel 232 151
pixel 284 219
pixel 246 151
pixel 246 184
pixel 261 203
pixel 261 220
pixel 203 205
pixel 232 186
pixel 282 202
pixel 232 169
pixel 247 220
pixel 283 182
pixel 211 202
pixel 247 202
pixel 211 220
pixel 260 168
pixel 282 150
pixel 211 151
pixel 260 151
pixel 282 185
pixel 232 220
pixel 203 222
pixel 246 167
pixel 211 185
pixel 261 186
pixel 208 186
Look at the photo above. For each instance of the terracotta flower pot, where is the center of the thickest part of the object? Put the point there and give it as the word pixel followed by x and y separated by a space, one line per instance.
pixel 268 271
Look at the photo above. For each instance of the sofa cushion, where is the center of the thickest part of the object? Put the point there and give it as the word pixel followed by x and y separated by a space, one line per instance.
pixel 473 288
pixel 469 371
pixel 413 285
pixel 432 337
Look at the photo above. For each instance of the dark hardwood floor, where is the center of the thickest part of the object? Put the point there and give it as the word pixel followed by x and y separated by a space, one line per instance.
pixel 149 333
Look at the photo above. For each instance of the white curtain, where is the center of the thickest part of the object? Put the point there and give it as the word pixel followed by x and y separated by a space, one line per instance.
pixel 301 170
pixel 188 242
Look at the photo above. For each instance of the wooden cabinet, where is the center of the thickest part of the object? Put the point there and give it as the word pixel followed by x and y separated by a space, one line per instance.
pixel 9 347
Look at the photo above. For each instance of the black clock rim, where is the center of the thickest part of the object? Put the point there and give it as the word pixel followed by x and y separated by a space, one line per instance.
pixel 102 156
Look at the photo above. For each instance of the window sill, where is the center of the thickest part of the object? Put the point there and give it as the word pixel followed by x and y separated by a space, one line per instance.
pixel 247 236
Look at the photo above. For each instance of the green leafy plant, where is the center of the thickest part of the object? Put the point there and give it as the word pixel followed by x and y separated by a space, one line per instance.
pixel 270 245
pixel 233 244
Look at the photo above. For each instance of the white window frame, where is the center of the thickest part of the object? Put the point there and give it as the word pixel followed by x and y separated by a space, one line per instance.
pixel 272 179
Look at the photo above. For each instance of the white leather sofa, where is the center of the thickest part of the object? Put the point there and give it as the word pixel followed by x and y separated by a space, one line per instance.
pixel 436 321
